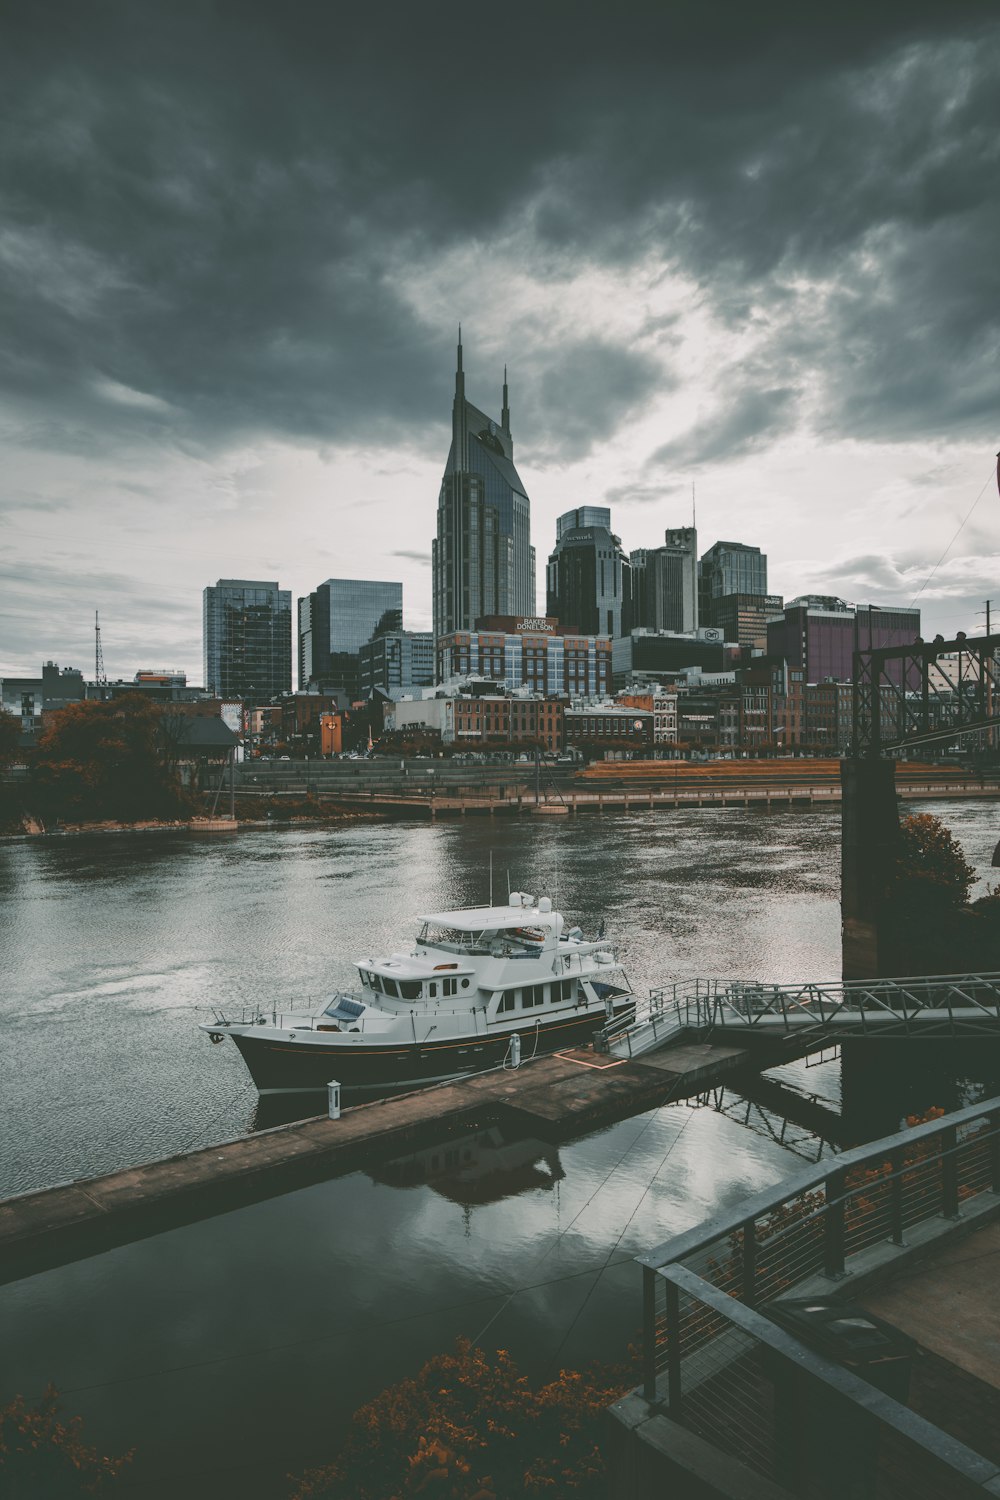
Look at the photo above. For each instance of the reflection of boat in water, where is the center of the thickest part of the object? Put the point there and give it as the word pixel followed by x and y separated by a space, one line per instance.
pixel 483 1167
pixel 453 1005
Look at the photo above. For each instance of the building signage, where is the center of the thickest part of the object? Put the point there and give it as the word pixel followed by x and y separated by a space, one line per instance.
pixel 538 623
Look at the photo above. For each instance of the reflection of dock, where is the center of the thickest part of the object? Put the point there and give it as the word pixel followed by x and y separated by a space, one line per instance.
pixel 483 1166
pixel 553 1098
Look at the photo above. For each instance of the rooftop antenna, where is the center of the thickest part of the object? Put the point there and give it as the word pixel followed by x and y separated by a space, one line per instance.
pixel 694 515
pixel 100 677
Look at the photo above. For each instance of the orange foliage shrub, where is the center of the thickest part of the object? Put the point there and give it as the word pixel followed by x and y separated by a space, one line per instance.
pixel 43 1458
pixel 470 1427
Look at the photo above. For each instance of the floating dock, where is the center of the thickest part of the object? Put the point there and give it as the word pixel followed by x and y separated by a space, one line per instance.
pixel 559 1097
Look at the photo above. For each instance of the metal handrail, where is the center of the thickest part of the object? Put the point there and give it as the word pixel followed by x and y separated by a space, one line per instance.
pixel 838 1382
pixel 804 1180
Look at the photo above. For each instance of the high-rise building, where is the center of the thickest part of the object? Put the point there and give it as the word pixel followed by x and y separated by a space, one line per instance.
pixel 335 621
pixel 247 639
pixel 588 579
pixel 396 662
pixel 665 583
pixel 483 560
pixel 730 568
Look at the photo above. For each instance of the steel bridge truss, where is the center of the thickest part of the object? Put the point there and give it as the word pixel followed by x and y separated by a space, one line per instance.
pixel 907 695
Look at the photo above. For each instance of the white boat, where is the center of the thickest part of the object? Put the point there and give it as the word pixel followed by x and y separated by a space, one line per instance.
pixel 479 986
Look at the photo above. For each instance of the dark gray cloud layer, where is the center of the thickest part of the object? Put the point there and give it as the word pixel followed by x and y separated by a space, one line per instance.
pixel 207 210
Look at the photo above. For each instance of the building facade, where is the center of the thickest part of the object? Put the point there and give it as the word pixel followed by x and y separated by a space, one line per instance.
pixel 27 698
pixel 486 719
pixel 588 579
pixel 665 582
pixel 483 562
pixel 536 652
pixel 817 635
pixel 396 662
pixel 743 617
pixel 335 621
pixel 247 639
pixel 658 655
pixel 605 730
pixel 729 568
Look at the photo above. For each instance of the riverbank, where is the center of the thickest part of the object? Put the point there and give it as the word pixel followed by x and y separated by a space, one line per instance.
pixel 330 817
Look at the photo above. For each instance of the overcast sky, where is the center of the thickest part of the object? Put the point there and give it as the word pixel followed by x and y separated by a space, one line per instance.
pixel 750 247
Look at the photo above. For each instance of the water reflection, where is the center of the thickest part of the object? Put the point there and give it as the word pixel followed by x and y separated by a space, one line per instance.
pixel 482 1166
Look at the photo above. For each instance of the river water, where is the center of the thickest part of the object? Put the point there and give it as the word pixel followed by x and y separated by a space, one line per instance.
pixel 231 1352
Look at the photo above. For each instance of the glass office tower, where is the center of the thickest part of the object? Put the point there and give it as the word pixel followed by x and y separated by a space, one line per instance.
pixel 588 578
pixel 339 618
pixel 729 568
pixel 483 560
pixel 247 639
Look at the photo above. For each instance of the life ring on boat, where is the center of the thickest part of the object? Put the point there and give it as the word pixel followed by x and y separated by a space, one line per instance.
pixel 215 1037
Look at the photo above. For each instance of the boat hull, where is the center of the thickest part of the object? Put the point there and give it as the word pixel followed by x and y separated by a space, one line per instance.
pixel 278 1065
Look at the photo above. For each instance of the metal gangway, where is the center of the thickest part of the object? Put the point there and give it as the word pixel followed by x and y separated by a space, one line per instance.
pixel 947 1005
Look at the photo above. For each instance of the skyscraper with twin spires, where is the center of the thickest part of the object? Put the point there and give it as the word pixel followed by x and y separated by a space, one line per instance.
pixel 483 560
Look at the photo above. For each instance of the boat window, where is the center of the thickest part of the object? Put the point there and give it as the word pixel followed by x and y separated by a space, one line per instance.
pixel 534 994
pixel 449 986
pixel 507 1002
pixel 465 984
pixel 432 989
pixel 563 989
pixel 374 981
pixel 390 987
pixel 409 989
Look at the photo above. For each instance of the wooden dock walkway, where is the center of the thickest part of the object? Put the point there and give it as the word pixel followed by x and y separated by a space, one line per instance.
pixel 558 1097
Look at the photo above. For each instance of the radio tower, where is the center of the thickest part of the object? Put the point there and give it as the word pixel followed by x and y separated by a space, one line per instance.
pixel 100 677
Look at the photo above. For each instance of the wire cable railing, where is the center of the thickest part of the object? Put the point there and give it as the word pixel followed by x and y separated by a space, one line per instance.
pixel 723 1368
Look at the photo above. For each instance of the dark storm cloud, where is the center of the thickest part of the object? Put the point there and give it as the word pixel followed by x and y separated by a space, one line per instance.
pixel 208 210
pixel 577 395
pixel 745 422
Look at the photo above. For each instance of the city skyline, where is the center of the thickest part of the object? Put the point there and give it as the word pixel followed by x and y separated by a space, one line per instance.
pixel 757 258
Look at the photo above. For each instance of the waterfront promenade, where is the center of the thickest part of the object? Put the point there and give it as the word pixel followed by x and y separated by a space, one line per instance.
pixel 425 788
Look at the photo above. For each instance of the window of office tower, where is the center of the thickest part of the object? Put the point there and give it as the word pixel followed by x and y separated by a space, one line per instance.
pixel 362 608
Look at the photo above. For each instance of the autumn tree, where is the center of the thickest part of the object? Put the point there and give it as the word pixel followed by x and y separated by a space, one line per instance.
pixel 932 927
pixel 43 1455
pixel 469 1426
pixel 107 759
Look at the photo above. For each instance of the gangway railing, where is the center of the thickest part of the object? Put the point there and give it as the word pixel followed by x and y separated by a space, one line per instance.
pixel 926 1006
pixel 714 1361
pixel 665 1013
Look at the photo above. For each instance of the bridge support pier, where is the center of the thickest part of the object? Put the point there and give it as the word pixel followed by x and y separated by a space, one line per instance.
pixel 869 843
